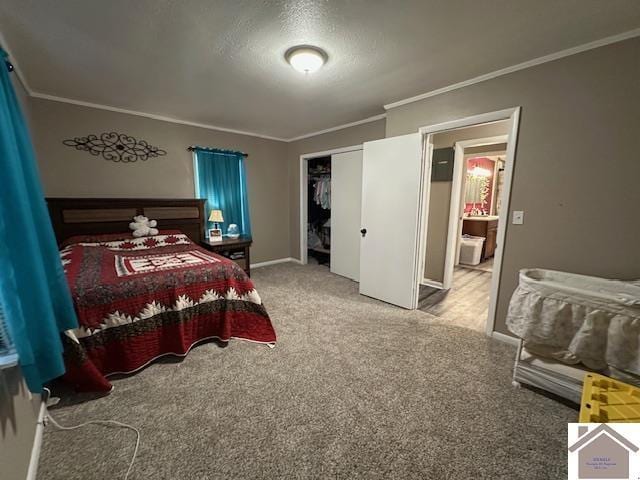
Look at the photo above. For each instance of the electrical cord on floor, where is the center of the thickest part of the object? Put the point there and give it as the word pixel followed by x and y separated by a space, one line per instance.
pixel 106 423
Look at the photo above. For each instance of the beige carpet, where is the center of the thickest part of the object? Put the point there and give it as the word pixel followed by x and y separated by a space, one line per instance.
pixel 355 389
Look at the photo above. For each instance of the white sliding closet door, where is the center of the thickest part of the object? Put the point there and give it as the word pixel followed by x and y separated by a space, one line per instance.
pixel 346 206
pixel 392 190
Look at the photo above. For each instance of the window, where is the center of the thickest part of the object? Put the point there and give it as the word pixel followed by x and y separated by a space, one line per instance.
pixel 220 179
pixel 8 355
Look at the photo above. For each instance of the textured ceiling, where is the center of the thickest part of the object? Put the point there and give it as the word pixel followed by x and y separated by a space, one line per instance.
pixel 221 62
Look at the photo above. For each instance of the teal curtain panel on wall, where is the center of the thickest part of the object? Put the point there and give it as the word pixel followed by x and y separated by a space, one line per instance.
pixel 34 294
pixel 221 180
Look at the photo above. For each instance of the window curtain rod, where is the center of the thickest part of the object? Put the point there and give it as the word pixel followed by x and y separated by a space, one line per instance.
pixel 216 150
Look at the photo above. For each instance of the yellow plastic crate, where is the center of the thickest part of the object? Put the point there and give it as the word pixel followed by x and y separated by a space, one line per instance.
pixel 605 400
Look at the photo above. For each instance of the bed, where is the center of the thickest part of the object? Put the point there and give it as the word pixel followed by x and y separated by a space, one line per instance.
pixel 138 299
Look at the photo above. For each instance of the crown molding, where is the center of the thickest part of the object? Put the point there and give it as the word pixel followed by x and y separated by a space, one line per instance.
pixel 520 66
pixel 163 118
pixel 153 116
pixel 339 127
pixel 498 73
pixel 18 71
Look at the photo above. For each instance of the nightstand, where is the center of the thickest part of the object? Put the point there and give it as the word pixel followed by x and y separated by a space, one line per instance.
pixel 236 249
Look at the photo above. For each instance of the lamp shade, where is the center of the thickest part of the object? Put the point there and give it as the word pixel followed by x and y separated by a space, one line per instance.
pixel 216 216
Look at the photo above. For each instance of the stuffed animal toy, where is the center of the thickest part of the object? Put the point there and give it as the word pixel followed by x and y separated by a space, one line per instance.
pixel 143 227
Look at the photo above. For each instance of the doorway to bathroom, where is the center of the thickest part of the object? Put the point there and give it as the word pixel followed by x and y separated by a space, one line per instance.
pixel 465 218
pixel 475 226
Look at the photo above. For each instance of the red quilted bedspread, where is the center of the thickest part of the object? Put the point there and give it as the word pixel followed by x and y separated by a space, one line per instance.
pixel 139 299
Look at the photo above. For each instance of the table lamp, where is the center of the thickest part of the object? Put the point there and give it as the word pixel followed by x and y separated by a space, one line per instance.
pixel 215 233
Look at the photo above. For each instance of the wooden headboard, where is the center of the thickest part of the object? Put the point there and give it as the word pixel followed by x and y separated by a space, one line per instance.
pixel 86 216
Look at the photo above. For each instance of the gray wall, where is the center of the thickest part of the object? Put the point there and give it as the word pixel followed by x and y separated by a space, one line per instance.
pixel 440 198
pixel 69 172
pixel 18 417
pixel 18 412
pixel 575 172
pixel 576 167
pixel 341 138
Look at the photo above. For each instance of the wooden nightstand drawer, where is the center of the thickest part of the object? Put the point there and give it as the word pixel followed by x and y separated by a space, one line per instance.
pixel 235 249
pixel 242 263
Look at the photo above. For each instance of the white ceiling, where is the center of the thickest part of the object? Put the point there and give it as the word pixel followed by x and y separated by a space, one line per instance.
pixel 221 62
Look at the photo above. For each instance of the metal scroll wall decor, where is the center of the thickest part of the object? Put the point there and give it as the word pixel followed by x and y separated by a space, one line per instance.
pixel 116 147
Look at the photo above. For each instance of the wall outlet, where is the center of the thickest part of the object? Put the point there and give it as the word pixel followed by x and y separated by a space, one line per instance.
pixel 518 217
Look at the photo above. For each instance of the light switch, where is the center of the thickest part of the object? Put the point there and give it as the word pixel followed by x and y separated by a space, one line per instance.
pixel 518 217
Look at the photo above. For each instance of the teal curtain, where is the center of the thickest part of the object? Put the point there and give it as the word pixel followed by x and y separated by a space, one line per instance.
pixel 33 289
pixel 221 180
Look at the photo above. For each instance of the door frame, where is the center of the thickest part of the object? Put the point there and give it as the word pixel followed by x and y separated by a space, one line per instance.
pixel 513 115
pixel 455 203
pixel 423 213
pixel 304 191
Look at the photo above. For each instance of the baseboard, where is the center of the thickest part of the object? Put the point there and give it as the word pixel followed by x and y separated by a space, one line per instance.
pixel 431 283
pixel 505 338
pixel 274 262
pixel 32 473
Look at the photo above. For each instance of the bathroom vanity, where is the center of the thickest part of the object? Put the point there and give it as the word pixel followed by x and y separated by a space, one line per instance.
pixel 487 227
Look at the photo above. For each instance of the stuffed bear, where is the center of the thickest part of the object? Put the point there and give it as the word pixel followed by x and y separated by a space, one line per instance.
pixel 143 227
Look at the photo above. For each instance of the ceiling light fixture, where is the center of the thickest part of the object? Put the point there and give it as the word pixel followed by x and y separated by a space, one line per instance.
pixel 305 58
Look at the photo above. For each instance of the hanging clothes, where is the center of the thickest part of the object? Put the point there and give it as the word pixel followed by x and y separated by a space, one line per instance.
pixel 322 192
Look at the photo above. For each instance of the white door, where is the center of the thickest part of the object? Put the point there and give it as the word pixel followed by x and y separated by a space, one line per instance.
pixel 346 205
pixel 392 189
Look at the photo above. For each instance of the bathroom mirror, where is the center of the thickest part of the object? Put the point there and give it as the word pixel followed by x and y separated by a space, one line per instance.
pixel 479 186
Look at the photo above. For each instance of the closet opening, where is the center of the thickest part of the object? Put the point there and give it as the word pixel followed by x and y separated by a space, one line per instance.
pixel 319 210
pixel 330 209
pixel 464 218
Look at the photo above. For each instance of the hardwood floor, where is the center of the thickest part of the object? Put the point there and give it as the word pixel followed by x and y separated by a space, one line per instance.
pixel 486 266
pixel 466 304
